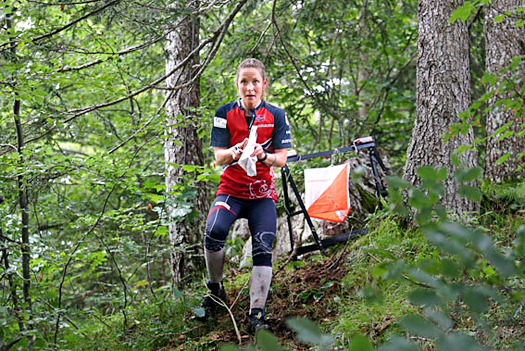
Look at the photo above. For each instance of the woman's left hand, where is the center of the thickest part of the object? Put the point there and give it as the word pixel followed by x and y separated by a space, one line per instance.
pixel 258 151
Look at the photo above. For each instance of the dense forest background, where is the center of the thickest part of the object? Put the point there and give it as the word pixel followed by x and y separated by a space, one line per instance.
pixel 89 199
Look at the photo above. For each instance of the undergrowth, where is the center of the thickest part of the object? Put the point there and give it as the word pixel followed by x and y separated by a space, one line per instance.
pixel 438 283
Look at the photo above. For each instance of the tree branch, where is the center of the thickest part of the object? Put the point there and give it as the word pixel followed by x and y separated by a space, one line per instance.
pixel 293 61
pixel 120 53
pixel 216 44
pixel 70 259
pixel 62 3
pixel 72 23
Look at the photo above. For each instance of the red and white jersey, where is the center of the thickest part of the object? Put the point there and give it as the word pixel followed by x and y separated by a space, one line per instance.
pixel 230 127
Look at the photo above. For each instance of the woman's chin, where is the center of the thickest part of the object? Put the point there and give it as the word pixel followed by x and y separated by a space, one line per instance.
pixel 251 102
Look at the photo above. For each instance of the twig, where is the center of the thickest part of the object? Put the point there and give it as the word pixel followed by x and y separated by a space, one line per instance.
pixel 64 271
pixel 68 319
pixel 239 293
pixel 9 146
pixel 99 319
pixel 222 303
pixel 72 23
pixel 216 39
pixel 336 261
pixel 292 255
pixel 120 53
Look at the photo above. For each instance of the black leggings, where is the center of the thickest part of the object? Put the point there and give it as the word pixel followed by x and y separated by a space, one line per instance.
pixel 262 219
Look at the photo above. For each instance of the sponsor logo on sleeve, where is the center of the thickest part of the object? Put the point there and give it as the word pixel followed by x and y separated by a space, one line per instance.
pixel 219 122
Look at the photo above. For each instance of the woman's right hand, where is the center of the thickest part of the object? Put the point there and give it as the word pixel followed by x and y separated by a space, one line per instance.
pixel 224 156
pixel 236 150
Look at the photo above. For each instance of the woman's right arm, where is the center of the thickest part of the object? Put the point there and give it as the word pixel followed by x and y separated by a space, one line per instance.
pixel 224 156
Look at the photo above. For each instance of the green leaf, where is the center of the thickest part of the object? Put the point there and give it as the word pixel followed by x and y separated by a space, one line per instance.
pixel 198 312
pixel 519 242
pixel 308 331
pixel 178 294
pixel 462 12
pixel 458 341
pixel 267 341
pixel 502 159
pixel 419 326
pixel 450 268
pixel 417 199
pixel 472 193
pixel 424 216
pixel 361 343
pixel 399 344
pixel 357 174
pixel 468 174
pixel 229 347
pixel 503 265
pixel 372 295
pixel 443 321
pixel 442 173
pixel 428 173
pixel 476 299
pixel 441 212
pixel 397 183
pixel 424 297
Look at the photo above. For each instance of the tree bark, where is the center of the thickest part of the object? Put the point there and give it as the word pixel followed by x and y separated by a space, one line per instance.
pixel 503 41
pixel 183 146
pixel 443 90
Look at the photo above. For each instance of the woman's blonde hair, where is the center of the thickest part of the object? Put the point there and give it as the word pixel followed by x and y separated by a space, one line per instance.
pixel 251 63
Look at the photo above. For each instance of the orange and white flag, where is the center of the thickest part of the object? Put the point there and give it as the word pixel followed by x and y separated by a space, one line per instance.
pixel 326 192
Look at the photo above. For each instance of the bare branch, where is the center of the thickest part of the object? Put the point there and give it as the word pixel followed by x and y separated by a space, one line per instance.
pixel 70 259
pixel 293 61
pixel 225 25
pixel 9 146
pixel 72 23
pixel 120 53
pixel 63 3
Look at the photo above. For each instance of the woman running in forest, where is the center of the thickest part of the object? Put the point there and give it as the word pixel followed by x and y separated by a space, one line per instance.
pixel 240 195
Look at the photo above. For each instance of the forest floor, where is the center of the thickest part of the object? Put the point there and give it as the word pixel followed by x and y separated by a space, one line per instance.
pixel 304 290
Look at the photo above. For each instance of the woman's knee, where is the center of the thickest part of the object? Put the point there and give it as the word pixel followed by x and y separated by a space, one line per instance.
pixel 262 248
pixel 215 237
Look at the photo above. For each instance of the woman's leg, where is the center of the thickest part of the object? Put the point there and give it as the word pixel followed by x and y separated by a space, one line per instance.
pixel 262 219
pixel 223 212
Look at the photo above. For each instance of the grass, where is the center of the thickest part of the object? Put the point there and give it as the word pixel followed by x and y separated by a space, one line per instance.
pixel 348 292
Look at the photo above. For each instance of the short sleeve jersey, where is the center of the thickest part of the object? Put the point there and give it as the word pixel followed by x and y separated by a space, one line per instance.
pixel 231 127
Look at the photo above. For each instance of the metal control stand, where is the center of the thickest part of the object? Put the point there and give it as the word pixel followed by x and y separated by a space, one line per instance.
pixel 373 154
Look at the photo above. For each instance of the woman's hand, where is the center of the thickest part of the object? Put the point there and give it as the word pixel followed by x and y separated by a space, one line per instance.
pixel 258 151
pixel 225 156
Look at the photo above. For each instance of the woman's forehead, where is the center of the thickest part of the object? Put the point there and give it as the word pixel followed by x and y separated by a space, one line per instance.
pixel 250 72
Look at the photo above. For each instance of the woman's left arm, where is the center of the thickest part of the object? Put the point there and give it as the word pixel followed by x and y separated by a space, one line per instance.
pixel 277 158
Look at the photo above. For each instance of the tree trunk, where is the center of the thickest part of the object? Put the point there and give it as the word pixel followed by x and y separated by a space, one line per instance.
pixel 21 187
pixel 503 41
pixel 443 90
pixel 183 146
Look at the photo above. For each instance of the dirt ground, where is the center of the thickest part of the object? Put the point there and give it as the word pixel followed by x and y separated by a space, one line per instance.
pixel 303 291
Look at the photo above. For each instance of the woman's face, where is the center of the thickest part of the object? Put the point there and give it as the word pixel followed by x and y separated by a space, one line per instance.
pixel 251 87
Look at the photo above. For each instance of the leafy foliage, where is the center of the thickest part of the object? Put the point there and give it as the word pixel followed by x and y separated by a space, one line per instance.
pixel 89 80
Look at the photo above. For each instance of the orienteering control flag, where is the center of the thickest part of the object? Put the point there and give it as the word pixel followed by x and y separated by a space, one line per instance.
pixel 327 194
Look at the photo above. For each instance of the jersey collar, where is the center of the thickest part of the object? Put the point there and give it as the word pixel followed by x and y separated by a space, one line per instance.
pixel 252 110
